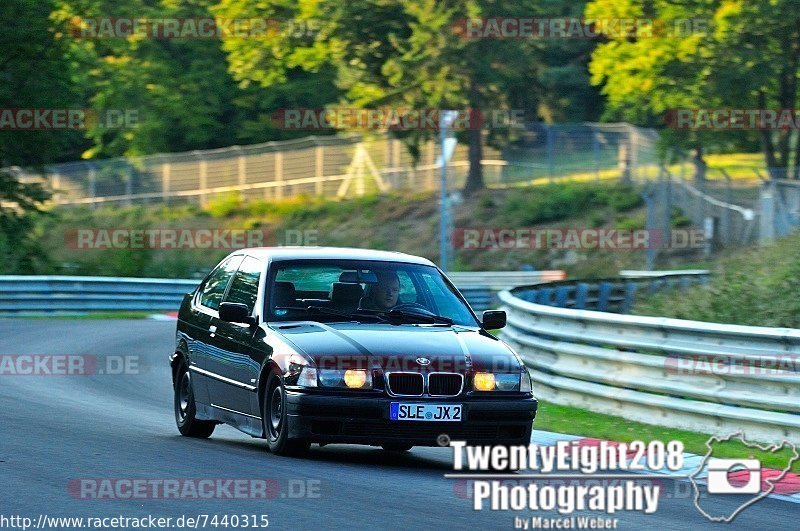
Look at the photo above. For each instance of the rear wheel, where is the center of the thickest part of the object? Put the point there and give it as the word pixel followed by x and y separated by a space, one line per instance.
pixel 276 420
pixel 186 409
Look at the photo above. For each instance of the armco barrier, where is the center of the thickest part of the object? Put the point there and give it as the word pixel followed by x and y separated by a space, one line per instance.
pixel 613 295
pixel 21 294
pixel 707 377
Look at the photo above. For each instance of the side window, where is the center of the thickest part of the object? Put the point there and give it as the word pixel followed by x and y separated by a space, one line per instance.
pixel 214 288
pixel 244 288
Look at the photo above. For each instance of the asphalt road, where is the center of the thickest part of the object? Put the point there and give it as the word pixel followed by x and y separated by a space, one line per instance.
pixel 55 430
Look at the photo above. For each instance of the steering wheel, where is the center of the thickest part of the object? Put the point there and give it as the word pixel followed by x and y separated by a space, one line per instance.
pixel 413 306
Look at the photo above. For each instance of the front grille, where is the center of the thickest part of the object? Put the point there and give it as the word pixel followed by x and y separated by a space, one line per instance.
pixel 406 383
pixel 444 384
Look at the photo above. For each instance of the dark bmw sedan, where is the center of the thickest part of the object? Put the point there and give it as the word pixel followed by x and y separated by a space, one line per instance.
pixel 324 345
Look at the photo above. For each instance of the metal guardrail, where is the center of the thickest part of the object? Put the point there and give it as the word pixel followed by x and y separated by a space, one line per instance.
pixel 611 295
pixel 707 377
pixel 21 294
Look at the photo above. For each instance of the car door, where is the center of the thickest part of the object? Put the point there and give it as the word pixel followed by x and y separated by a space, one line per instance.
pixel 205 364
pixel 238 366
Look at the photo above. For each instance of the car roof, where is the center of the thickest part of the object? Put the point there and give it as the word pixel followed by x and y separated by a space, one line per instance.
pixel 332 253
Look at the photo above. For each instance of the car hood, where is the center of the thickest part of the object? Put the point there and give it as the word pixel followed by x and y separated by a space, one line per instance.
pixel 398 347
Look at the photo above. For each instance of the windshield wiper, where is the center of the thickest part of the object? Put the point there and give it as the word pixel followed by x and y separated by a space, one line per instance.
pixel 331 311
pixel 415 316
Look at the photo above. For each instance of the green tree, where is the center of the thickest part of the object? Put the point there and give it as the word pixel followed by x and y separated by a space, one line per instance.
pixel 35 75
pixel 400 53
pixel 702 54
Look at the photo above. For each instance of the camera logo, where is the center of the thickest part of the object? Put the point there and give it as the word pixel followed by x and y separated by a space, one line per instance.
pixel 721 471
pixel 740 480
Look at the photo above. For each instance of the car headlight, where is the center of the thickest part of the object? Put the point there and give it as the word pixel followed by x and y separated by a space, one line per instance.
pixel 488 381
pixel 350 378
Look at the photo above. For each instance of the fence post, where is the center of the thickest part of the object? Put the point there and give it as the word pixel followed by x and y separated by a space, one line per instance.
pixel 202 177
pixel 92 184
pixel 319 170
pixel 129 184
pixel 431 162
pixel 241 171
pixel 166 176
pixel 550 142
pixel 278 174
pixel 623 161
pixel 725 230
pixel 766 229
pixel 633 145
pixel 596 155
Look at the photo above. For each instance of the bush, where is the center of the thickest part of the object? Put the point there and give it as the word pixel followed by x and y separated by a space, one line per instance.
pixel 752 287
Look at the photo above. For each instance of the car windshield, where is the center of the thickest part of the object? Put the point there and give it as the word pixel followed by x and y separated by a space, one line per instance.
pixel 336 290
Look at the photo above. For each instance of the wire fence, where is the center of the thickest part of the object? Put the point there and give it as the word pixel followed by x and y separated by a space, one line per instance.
pixel 348 165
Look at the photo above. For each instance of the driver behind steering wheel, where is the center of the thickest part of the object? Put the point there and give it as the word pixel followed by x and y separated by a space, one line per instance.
pixel 383 295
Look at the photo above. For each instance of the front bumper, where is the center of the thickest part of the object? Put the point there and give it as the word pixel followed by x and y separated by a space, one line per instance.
pixel 336 419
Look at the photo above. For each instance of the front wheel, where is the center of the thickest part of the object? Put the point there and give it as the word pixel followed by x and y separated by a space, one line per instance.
pixel 276 420
pixel 186 409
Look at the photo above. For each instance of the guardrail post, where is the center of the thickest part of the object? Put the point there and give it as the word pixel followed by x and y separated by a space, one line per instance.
pixel 604 296
pixel 545 296
pixel 630 294
pixel 562 294
pixel 581 295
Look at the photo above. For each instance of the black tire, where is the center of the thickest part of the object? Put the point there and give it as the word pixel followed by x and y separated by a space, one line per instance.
pixel 397 448
pixel 185 408
pixel 276 421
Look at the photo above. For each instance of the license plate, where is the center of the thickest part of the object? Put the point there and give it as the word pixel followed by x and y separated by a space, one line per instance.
pixel 425 412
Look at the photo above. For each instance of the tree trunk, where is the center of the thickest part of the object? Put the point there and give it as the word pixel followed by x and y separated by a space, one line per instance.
pixel 767 143
pixel 475 175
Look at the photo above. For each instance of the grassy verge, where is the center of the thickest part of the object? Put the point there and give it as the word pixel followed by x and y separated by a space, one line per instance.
pixel 575 421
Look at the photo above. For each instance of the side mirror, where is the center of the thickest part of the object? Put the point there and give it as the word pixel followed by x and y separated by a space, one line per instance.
pixel 233 312
pixel 494 319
